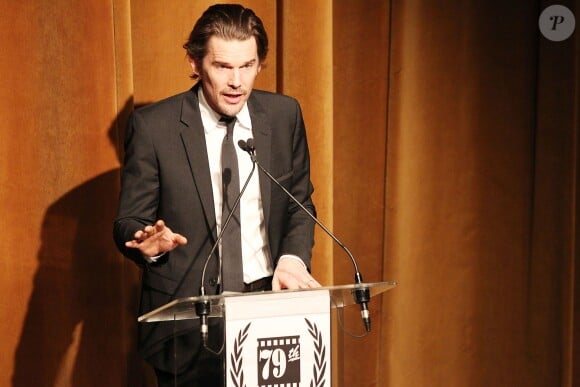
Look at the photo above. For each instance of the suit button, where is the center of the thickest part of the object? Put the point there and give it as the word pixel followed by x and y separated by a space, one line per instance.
pixel 213 281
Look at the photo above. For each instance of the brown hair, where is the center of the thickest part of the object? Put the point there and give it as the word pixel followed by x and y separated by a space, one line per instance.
pixel 229 22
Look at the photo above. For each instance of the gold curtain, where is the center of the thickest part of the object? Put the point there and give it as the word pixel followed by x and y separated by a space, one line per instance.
pixel 481 193
pixel 444 141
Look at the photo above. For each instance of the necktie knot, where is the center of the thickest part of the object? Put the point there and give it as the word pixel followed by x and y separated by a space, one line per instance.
pixel 229 121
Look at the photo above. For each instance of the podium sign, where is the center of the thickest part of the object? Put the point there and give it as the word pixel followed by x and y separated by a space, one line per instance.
pixel 278 339
pixel 273 339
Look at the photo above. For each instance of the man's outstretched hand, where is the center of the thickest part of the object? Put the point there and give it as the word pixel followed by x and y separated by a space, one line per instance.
pixel 156 239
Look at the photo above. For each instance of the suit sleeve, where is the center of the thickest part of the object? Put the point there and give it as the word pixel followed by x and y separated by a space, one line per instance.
pixel 139 197
pixel 298 238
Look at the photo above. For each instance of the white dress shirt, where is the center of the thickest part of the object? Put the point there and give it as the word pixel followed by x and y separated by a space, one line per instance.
pixel 256 259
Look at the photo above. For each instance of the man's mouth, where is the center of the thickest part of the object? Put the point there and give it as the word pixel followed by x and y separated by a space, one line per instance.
pixel 233 97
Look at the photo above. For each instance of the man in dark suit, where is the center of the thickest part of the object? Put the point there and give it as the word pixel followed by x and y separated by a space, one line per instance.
pixel 175 192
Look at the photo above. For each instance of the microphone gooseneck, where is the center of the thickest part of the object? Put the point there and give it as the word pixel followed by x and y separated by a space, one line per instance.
pixel 361 293
pixel 203 307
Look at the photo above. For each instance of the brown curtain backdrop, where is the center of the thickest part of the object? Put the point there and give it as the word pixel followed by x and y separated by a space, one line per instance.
pixel 444 139
pixel 481 192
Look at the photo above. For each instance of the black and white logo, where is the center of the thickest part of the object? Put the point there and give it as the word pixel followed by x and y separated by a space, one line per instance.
pixel 279 361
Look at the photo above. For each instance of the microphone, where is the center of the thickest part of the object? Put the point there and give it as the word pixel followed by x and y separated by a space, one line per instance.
pixel 248 146
pixel 361 293
pixel 203 307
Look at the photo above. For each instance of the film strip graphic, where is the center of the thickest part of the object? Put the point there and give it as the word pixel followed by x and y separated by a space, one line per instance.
pixel 279 361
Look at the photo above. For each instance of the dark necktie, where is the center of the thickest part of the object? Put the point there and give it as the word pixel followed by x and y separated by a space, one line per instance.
pixel 232 270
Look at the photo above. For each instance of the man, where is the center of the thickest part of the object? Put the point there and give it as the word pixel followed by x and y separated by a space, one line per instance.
pixel 177 192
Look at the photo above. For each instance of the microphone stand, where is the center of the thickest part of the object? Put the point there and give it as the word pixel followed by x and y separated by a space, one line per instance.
pixel 203 307
pixel 361 294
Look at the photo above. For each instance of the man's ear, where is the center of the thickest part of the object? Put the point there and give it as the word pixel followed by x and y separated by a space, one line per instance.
pixel 194 67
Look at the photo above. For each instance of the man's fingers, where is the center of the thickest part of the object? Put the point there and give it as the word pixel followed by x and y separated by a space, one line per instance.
pixel 132 244
pixel 292 274
pixel 308 282
pixel 180 239
pixel 138 235
pixel 150 230
pixel 312 283
pixel 159 226
pixel 289 281
pixel 141 235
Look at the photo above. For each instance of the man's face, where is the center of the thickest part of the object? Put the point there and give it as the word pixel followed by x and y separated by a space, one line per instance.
pixel 227 73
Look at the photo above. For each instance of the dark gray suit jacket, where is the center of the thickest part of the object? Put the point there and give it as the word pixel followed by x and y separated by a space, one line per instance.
pixel 166 176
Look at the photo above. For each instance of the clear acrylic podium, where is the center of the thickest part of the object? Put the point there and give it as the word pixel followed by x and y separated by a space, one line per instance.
pixel 273 338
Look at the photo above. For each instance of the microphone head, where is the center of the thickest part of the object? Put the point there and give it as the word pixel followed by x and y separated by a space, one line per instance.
pixel 243 145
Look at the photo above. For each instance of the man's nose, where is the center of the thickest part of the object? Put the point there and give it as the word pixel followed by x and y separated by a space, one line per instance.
pixel 234 80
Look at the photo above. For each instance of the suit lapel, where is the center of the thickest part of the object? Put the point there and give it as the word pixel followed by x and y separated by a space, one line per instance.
pixel 262 140
pixel 193 137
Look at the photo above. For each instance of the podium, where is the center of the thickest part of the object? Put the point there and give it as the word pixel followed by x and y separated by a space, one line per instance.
pixel 280 338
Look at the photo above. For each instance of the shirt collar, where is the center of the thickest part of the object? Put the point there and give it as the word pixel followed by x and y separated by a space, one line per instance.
pixel 211 119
